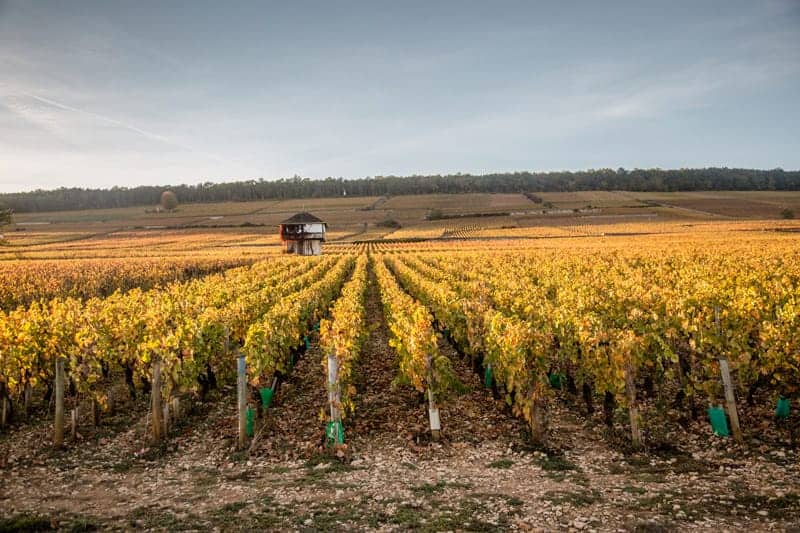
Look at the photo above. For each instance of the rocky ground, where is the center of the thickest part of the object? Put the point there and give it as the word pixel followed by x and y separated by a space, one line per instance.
pixel 482 476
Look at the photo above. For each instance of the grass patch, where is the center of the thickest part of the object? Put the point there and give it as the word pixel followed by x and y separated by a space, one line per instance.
pixel 501 463
pixel 30 523
pixel 25 522
pixel 778 507
pixel 471 513
pixel 239 456
pixel 630 489
pixel 125 465
pixel 244 475
pixel 323 517
pixel 230 508
pixel 645 469
pixel 556 466
pixel 510 500
pixel 408 516
pixel 557 463
pixel 80 525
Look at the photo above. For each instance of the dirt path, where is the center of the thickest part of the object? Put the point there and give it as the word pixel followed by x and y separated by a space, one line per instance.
pixel 475 417
pixel 385 416
pixel 292 428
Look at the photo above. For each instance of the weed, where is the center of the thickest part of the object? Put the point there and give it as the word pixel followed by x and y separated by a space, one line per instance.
pixel 501 463
pixel 630 489
pixel 25 522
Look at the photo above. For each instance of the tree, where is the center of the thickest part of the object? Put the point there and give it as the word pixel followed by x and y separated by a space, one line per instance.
pixel 5 216
pixel 787 213
pixel 168 200
pixel 5 219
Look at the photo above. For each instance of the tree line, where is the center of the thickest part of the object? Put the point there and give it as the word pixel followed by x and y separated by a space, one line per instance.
pixel 640 180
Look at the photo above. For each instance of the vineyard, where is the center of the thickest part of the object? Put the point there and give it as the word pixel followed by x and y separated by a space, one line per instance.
pixel 626 380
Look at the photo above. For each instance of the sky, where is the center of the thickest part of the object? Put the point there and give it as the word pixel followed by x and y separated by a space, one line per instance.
pixel 116 93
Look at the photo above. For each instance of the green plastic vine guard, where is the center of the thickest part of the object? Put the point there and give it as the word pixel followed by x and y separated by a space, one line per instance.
pixel 316 326
pixel 251 416
pixel 308 342
pixel 556 380
pixel 782 409
pixel 266 396
pixel 488 377
pixel 719 423
pixel 334 433
pixel 291 361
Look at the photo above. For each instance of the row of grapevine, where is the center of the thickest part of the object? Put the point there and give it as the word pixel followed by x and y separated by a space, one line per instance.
pixel 270 340
pixel 416 342
pixel 186 327
pixel 508 346
pixel 340 338
pixel 608 324
pixel 23 282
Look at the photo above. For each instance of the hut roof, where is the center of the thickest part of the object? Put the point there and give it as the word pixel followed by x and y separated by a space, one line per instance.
pixel 302 218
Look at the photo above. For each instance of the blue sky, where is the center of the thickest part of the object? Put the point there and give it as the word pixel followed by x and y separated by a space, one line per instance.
pixel 104 93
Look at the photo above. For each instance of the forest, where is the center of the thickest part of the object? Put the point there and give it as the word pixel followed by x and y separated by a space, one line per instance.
pixel 641 180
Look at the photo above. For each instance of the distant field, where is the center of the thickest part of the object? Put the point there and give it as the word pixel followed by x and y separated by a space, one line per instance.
pixel 577 200
pixel 736 204
pixel 460 202
pixel 252 226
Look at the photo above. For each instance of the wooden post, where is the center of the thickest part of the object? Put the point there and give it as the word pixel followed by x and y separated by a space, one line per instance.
pixel 730 399
pixel 538 423
pixel 58 426
pixel 334 394
pixel 242 401
pixel 433 410
pixel 176 408
pixel 166 418
pixel 28 399
pixel 4 410
pixel 633 408
pixel 73 419
pixel 95 412
pixel 433 415
pixel 155 401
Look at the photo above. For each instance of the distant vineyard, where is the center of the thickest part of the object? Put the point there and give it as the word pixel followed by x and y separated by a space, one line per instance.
pixel 22 282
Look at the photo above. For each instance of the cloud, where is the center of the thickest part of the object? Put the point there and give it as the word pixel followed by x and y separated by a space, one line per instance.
pixel 66 128
pixel 147 134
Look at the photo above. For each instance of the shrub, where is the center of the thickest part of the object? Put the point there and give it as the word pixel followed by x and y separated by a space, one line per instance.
pixel 168 200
